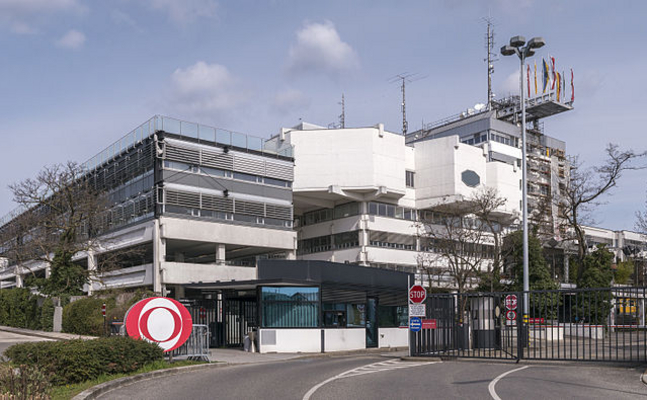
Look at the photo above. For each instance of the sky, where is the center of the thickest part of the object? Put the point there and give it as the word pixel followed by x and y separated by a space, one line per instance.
pixel 77 75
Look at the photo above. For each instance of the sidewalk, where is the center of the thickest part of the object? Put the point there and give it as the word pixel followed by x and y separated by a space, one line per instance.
pixel 43 334
pixel 238 356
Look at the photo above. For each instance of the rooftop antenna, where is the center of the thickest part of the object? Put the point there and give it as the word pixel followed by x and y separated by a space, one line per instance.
pixel 342 116
pixel 404 78
pixel 491 59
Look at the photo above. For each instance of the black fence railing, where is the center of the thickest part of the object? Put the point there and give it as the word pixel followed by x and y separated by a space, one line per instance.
pixel 580 324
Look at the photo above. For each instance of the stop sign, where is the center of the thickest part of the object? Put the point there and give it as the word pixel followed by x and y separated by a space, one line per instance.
pixel 417 294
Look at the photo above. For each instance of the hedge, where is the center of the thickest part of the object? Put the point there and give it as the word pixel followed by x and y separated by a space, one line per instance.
pixel 83 317
pixel 74 361
pixel 19 308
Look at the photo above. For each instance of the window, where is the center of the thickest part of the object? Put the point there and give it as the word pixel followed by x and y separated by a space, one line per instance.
pixel 393 316
pixel 346 210
pixel 388 210
pixel 290 307
pixel 277 182
pixel 346 240
pixel 314 217
pixel 409 178
pixel 247 177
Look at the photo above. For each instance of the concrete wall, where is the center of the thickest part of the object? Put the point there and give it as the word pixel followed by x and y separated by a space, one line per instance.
pixel 393 337
pixel 290 340
pixel 183 273
pixel 344 339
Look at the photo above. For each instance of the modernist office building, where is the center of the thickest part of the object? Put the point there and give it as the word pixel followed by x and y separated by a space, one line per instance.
pixel 201 204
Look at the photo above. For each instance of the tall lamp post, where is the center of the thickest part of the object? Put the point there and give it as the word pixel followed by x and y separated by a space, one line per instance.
pixel 519 47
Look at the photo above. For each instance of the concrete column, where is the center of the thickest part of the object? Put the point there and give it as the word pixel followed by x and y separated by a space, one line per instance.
pixel 48 272
pixel 19 280
pixel 179 292
pixel 566 268
pixel 159 253
pixel 220 254
pixel 92 269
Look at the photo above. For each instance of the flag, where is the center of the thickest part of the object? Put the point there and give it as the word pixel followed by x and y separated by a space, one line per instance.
pixel 535 77
pixel 528 78
pixel 572 87
pixel 553 85
pixel 559 81
pixel 546 77
pixel 563 86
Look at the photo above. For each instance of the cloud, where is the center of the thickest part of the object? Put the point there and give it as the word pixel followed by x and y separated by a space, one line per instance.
pixel 121 18
pixel 23 16
pixel 206 89
pixel 289 100
pixel 319 49
pixel 72 40
pixel 183 12
pixel 510 86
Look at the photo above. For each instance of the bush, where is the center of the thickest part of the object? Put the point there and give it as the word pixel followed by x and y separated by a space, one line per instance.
pixel 19 308
pixel 47 315
pixel 83 316
pixel 24 382
pixel 76 361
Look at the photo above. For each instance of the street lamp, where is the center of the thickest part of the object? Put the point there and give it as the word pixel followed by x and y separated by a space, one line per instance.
pixel 519 47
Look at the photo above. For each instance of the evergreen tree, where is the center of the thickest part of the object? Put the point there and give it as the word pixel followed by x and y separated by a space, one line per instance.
pixel 593 307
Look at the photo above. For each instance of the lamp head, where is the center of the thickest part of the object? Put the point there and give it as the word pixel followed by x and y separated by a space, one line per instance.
pixel 507 50
pixel 536 42
pixel 517 41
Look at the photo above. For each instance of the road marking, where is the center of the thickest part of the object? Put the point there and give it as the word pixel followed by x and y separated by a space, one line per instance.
pixel 498 378
pixel 381 366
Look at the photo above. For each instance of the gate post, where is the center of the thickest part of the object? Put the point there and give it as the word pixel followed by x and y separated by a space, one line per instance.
pixel 521 332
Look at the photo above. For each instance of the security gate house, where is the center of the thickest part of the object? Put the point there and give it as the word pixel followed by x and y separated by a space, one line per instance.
pixel 578 325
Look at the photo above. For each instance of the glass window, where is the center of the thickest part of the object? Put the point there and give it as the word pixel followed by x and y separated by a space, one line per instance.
pixel 356 315
pixel 277 182
pixel 213 171
pixel 346 210
pixel 290 307
pixel 246 177
pixel 409 177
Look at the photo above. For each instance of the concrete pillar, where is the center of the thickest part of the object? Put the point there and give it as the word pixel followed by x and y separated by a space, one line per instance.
pixel 48 272
pixel 566 268
pixel 220 254
pixel 159 253
pixel 92 269
pixel 179 292
pixel 19 280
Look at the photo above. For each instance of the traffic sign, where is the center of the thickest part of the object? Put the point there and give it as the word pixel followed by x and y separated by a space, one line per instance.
pixel 103 309
pixel 415 324
pixel 429 324
pixel 511 315
pixel 511 302
pixel 417 294
pixel 159 320
pixel 203 313
pixel 417 310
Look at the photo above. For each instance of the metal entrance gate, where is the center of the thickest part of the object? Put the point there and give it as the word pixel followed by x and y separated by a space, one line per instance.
pixel 228 320
pixel 581 324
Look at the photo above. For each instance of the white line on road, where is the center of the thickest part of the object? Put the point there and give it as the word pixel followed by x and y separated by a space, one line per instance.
pixel 498 378
pixel 368 369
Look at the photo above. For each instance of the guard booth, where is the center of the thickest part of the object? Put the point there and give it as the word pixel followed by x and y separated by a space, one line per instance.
pixel 305 306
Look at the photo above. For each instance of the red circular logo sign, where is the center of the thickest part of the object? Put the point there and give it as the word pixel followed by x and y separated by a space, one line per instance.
pixel 417 294
pixel 159 320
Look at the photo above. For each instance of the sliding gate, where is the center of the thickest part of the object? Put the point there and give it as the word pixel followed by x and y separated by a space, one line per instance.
pixel 581 324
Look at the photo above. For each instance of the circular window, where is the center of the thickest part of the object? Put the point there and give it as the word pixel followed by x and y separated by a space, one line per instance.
pixel 470 178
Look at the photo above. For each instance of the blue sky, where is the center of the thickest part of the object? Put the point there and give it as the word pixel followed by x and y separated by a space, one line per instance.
pixel 77 75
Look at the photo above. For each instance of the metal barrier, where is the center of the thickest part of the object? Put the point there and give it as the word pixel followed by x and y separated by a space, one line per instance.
pixel 195 348
pixel 606 324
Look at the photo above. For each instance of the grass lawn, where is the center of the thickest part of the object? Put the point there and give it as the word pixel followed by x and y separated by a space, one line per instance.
pixel 66 392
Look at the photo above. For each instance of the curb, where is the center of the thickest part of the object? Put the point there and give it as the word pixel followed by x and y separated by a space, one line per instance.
pixel 429 359
pixel 44 335
pixel 95 391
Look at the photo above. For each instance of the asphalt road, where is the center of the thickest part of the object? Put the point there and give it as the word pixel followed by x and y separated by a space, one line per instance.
pixel 8 339
pixel 375 377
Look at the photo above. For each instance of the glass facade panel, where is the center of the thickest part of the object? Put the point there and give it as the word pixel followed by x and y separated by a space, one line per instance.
pixel 290 307
pixel 254 143
pixel 207 133
pixel 223 137
pixel 238 140
pixel 189 129
pixel 171 125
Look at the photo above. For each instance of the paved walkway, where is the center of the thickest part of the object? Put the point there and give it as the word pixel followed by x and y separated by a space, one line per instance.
pixel 43 334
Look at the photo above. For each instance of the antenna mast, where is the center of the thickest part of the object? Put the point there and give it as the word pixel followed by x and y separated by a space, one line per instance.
pixel 404 106
pixel 491 58
pixel 342 117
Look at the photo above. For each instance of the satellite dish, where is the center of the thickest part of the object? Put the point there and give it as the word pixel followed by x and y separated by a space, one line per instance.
pixel 479 106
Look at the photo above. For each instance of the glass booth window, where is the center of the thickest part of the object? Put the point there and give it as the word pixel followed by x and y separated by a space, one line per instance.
pixel 290 307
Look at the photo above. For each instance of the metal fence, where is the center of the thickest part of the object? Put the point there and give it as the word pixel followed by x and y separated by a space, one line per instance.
pixel 195 348
pixel 576 325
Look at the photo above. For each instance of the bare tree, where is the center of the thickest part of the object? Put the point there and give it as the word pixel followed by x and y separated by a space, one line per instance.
pixel 585 190
pixel 461 238
pixel 63 215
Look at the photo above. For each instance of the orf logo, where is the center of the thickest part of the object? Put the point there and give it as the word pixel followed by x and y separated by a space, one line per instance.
pixel 159 320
